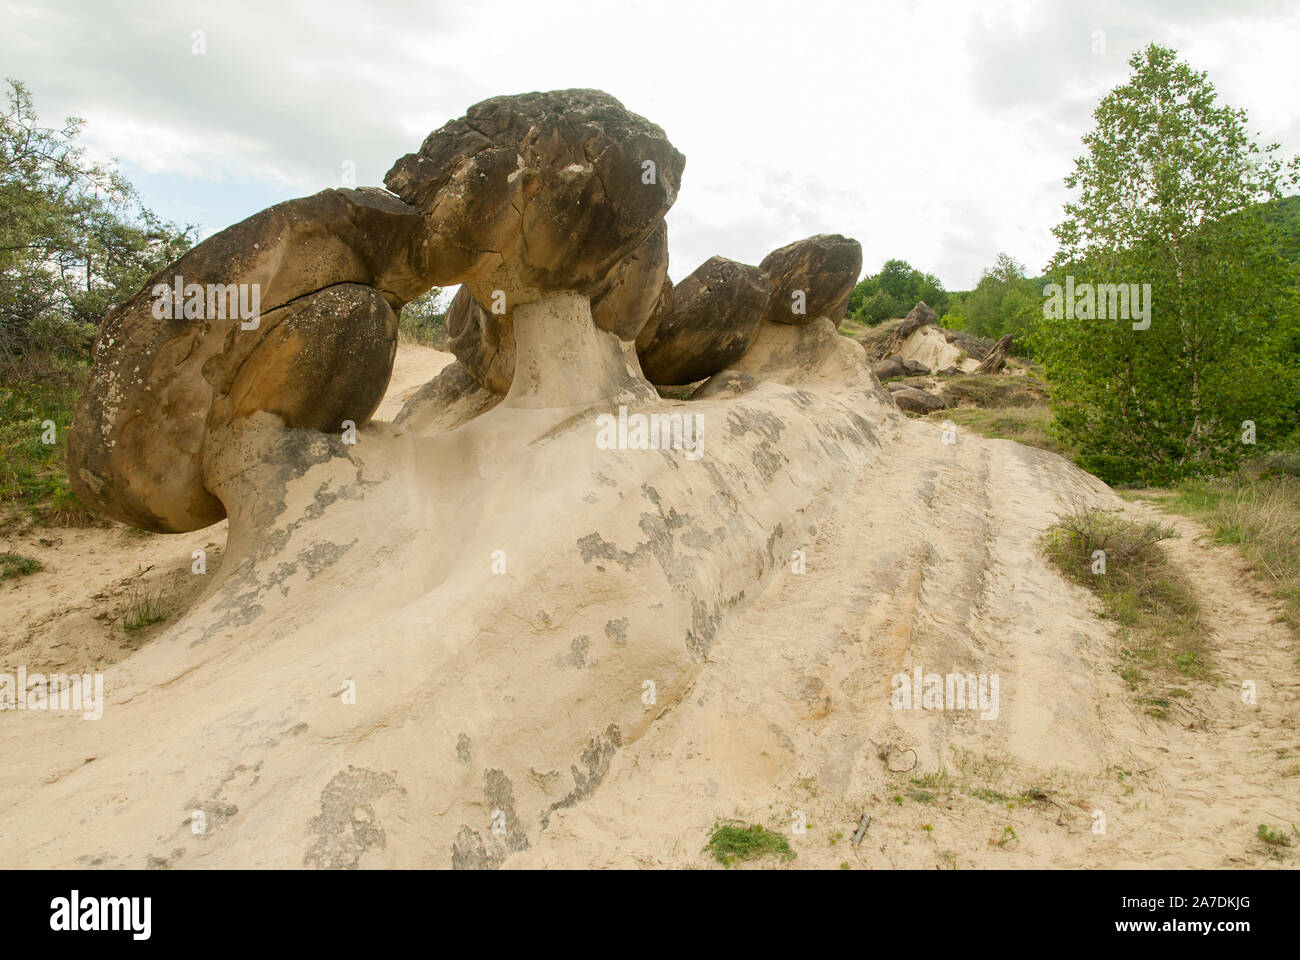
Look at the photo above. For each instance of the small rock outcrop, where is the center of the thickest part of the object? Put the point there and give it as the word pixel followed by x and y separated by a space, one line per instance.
pixel 912 400
pixel 997 357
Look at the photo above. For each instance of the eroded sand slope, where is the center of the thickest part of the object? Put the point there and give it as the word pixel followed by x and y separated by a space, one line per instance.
pixel 500 719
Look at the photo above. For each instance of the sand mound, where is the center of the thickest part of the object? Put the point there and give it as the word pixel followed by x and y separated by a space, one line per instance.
pixel 494 599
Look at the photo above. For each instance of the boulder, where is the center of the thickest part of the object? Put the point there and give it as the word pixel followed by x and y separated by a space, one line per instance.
pixel 920 315
pixel 324 359
pixel 912 400
pixel 812 278
pixel 484 342
pixel 707 324
pixel 891 366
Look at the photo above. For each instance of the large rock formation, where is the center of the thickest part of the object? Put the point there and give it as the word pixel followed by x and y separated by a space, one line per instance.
pixel 524 198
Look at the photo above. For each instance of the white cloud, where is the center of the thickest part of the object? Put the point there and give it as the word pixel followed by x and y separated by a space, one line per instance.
pixel 926 130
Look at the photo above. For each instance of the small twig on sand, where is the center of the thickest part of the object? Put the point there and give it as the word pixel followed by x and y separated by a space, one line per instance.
pixel 861 832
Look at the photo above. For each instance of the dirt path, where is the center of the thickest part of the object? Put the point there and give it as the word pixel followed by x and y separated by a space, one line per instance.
pixel 1225 766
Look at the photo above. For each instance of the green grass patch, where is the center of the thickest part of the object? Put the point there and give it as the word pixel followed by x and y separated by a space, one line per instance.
pixel 995 796
pixel 1274 838
pixel 1006 838
pixel 144 609
pixel 1162 641
pixel 733 840
pixel 930 787
pixel 995 391
pixel 1030 425
pixel 16 565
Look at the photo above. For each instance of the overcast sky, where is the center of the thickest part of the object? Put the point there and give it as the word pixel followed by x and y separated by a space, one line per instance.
pixel 936 132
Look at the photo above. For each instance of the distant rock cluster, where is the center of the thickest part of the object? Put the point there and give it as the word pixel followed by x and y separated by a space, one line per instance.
pixel 918 347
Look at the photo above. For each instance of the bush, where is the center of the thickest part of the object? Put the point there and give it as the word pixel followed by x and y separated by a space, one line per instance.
pixel 1162 641
pixel 33 479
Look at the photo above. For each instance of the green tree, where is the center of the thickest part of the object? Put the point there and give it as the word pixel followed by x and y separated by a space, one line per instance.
pixel 1170 193
pixel 893 291
pixel 74 239
pixel 423 320
pixel 1001 302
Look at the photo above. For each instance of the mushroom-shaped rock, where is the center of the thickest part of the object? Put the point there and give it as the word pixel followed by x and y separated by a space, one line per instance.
pixel 812 278
pixel 708 323
pixel 547 196
pixel 289 312
pixel 540 193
